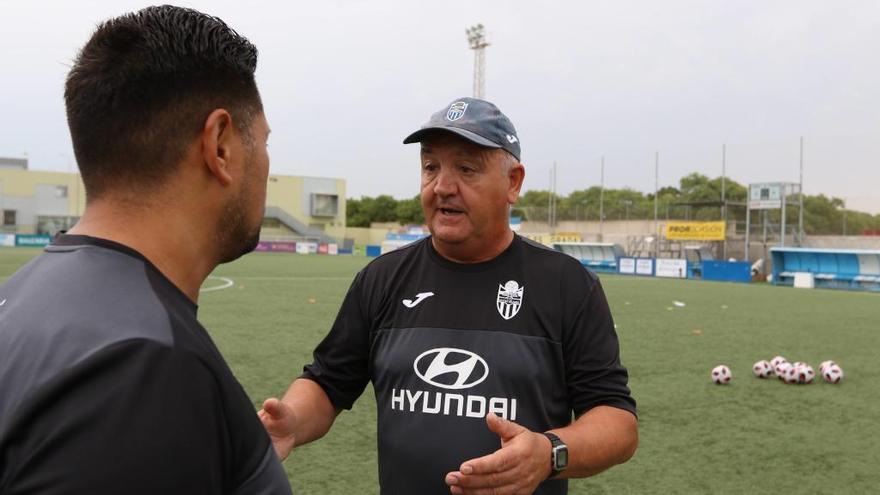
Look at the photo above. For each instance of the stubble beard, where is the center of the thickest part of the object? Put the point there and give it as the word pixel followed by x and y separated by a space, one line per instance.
pixel 235 237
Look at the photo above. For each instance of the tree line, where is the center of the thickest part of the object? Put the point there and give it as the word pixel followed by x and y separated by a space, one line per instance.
pixel 697 197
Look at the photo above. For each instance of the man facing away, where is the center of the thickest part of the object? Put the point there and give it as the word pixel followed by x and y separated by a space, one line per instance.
pixel 108 383
pixel 480 344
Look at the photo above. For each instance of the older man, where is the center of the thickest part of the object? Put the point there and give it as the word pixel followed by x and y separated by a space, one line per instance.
pixel 108 383
pixel 480 344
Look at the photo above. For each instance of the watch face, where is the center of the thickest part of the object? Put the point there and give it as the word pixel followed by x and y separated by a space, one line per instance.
pixel 561 457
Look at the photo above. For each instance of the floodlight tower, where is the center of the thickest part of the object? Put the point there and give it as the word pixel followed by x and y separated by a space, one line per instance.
pixel 477 41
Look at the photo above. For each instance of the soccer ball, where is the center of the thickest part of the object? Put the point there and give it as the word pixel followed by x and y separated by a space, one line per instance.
pixel 762 369
pixel 721 374
pixel 777 361
pixel 805 373
pixel 781 369
pixel 832 373
pixel 791 375
pixel 824 365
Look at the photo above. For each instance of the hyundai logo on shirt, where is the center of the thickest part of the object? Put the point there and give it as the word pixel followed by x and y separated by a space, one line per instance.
pixel 451 369
pixel 432 367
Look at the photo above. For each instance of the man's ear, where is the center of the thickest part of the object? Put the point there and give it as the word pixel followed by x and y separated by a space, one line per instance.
pixel 516 175
pixel 217 138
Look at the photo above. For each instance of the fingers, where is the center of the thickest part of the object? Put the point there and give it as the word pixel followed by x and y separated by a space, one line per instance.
pixel 505 429
pixel 489 480
pixel 274 408
pixel 496 462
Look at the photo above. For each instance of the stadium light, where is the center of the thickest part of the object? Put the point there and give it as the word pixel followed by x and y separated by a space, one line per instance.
pixel 477 42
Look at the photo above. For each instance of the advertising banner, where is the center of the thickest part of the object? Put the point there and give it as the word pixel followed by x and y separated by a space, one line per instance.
pixel 671 268
pixel 7 240
pixel 306 247
pixel 645 266
pixel 627 266
pixel 695 231
pixel 38 240
pixel 333 249
pixel 278 246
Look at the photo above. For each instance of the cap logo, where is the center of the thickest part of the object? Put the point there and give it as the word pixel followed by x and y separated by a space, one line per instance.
pixel 511 139
pixel 456 111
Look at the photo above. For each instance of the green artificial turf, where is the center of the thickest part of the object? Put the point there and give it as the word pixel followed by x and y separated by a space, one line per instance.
pixel 752 436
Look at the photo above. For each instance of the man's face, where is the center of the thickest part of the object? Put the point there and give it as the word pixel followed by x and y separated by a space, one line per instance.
pixel 465 192
pixel 243 214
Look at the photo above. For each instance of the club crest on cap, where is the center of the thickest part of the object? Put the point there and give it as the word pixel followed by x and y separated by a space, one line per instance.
pixel 456 111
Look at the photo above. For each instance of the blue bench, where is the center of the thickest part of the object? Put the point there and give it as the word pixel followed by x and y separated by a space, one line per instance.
pixel 597 256
pixel 855 269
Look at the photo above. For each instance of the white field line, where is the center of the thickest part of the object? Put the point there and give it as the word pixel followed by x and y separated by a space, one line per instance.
pixel 227 283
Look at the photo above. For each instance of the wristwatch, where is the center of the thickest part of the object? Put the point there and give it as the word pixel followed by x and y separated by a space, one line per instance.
pixel 558 454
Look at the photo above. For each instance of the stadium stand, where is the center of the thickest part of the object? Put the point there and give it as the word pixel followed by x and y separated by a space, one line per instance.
pixel 597 256
pixel 854 269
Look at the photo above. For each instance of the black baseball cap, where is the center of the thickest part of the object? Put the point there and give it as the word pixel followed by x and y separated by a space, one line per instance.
pixel 478 121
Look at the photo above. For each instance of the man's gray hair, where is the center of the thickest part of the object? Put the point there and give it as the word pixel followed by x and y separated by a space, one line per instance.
pixel 507 161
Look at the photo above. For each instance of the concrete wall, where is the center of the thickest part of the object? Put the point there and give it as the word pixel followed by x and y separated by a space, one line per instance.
pixel 842 242
pixel 369 235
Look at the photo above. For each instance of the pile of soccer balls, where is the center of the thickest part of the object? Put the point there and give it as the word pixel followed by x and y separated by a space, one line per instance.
pixel 798 372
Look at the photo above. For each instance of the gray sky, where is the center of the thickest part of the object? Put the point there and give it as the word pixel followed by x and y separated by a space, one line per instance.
pixel 344 81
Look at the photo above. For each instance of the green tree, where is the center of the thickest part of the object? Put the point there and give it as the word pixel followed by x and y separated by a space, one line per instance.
pixel 409 211
pixel 822 215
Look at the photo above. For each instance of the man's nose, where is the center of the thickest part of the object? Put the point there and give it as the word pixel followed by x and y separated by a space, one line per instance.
pixel 446 183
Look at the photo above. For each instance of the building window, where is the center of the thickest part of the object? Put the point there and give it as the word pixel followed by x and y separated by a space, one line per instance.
pixel 9 218
pixel 325 205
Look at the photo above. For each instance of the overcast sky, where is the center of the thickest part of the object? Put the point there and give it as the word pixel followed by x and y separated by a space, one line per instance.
pixel 344 81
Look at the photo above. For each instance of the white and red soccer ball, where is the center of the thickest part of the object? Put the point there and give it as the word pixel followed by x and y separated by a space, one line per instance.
pixel 805 373
pixel 791 374
pixel 782 369
pixel 776 361
pixel 798 372
pixel 824 365
pixel 762 369
pixel 721 375
pixel 832 373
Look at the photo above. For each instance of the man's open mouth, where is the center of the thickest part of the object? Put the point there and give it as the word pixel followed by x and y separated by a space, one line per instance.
pixel 450 211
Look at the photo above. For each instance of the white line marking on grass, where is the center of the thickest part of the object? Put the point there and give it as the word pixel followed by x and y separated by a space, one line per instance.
pixel 227 283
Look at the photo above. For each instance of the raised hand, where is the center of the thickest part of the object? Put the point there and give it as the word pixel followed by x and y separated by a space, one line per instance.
pixel 522 462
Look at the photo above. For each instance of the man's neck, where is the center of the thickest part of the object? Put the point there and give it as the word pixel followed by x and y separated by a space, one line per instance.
pixel 470 252
pixel 169 241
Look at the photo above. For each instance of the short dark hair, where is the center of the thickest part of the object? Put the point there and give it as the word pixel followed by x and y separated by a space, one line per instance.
pixel 142 86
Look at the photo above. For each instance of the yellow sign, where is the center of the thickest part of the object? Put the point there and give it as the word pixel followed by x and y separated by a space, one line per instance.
pixel 695 231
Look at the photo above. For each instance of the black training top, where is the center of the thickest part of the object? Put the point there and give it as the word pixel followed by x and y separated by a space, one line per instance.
pixel 108 384
pixel 527 335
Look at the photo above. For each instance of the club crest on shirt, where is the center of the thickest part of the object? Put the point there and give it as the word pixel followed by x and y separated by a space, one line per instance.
pixel 510 297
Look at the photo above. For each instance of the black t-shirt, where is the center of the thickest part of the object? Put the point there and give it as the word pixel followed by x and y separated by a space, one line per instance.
pixel 527 335
pixel 108 384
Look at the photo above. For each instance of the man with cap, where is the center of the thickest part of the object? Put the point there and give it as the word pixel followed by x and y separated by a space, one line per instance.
pixel 481 345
